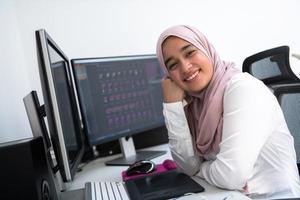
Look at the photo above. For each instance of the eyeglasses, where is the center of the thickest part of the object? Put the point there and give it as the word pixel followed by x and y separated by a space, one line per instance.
pixel 140 167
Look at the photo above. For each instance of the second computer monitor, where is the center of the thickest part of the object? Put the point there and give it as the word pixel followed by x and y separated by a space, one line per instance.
pixel 119 96
pixel 60 105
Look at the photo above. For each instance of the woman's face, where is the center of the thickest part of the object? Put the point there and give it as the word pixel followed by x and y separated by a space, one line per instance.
pixel 188 67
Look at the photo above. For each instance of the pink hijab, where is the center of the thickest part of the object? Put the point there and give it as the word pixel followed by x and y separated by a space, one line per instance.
pixel 205 109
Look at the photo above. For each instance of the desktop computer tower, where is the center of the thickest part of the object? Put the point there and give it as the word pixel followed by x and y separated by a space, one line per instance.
pixel 25 172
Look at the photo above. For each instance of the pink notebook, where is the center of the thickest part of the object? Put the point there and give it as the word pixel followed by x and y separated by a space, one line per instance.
pixel 165 166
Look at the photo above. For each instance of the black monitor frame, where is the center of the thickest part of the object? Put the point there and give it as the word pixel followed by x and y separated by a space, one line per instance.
pixel 130 155
pixel 66 166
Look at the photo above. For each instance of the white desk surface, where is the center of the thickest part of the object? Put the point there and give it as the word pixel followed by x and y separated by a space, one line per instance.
pixel 96 170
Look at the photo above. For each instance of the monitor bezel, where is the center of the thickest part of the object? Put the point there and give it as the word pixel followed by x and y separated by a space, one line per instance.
pixel 67 169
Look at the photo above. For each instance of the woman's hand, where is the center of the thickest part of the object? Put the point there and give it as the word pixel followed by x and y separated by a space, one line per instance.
pixel 171 91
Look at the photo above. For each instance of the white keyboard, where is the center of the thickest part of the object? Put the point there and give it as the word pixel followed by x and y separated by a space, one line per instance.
pixel 105 191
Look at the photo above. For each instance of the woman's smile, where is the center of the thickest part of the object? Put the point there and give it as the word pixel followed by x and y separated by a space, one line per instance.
pixel 192 76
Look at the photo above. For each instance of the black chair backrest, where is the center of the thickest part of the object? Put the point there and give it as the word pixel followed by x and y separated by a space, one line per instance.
pixel 288 96
pixel 271 66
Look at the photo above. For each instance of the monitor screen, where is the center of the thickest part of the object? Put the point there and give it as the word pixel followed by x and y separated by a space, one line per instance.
pixel 61 107
pixel 119 96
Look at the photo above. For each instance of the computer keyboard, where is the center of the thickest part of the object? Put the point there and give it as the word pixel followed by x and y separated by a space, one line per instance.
pixel 105 191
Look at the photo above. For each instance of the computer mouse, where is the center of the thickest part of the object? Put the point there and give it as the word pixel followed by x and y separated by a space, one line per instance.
pixel 169 164
pixel 140 167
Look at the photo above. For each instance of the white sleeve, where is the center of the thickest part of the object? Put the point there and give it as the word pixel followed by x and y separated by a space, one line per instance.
pixel 180 140
pixel 247 123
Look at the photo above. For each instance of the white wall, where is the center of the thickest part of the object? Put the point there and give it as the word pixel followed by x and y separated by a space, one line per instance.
pixel 94 28
pixel 14 82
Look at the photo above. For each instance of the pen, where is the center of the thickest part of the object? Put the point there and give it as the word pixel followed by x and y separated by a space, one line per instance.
pixel 227 197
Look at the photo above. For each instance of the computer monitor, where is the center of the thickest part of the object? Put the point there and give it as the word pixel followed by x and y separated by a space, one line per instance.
pixel 36 113
pixel 61 108
pixel 119 97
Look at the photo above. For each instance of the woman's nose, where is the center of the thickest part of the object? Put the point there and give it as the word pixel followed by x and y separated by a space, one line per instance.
pixel 186 65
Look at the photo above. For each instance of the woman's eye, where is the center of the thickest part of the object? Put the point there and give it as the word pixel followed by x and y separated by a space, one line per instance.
pixel 190 53
pixel 172 66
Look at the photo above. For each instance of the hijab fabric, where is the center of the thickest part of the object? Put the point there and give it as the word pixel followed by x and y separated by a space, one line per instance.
pixel 205 109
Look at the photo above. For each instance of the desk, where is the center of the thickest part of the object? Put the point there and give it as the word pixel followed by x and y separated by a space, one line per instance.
pixel 96 170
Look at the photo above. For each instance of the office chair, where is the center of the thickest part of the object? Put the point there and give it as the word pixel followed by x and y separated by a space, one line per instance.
pixel 271 66
pixel 288 96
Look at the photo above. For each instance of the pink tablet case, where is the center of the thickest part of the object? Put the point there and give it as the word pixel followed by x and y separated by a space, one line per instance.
pixel 165 166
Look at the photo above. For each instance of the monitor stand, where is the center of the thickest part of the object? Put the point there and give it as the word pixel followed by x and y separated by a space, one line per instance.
pixel 130 155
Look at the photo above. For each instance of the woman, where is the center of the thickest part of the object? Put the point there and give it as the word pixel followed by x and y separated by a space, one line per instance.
pixel 224 125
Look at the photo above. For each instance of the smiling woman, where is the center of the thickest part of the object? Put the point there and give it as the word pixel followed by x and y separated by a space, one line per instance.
pixel 224 125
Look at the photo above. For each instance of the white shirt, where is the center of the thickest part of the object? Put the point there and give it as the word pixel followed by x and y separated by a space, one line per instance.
pixel 256 149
